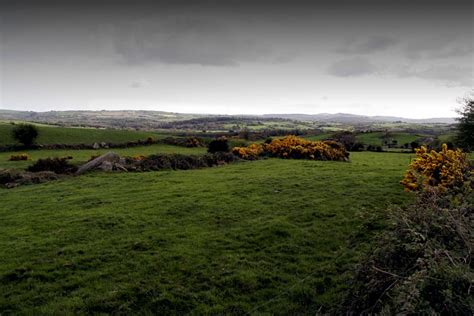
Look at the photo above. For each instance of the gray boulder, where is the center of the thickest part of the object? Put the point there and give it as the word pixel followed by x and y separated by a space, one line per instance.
pixel 109 159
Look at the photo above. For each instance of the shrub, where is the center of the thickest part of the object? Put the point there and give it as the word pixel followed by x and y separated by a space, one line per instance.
pixel 19 157
pixel 218 145
pixel 465 133
pixel 178 161
pixel 14 178
pixel 438 170
pixel 422 262
pixel 292 147
pixel 185 142
pixel 25 134
pixel 250 152
pixel 56 165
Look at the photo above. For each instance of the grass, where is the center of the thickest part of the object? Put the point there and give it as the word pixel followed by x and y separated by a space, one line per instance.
pixel 319 137
pixel 271 236
pixel 375 138
pixel 81 156
pixel 64 135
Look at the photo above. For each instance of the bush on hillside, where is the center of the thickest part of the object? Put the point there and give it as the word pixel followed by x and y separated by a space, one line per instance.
pixel 348 139
pixel 441 170
pixel 19 157
pixel 292 147
pixel 25 134
pixel 189 142
pixel 56 165
pixel 422 262
pixel 465 133
pixel 218 145
pixel 251 152
pixel 177 161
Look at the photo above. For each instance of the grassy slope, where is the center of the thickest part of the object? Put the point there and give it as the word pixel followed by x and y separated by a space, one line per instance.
pixel 57 135
pixel 375 138
pixel 81 156
pixel 275 236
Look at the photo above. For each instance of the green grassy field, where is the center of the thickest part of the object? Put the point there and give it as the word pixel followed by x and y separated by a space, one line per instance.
pixel 81 156
pixel 319 137
pixel 375 138
pixel 266 237
pixel 62 135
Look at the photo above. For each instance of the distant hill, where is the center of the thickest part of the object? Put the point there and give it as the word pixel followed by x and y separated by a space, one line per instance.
pixel 358 119
pixel 135 119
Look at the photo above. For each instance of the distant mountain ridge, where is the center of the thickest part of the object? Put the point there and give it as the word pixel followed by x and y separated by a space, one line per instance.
pixel 354 118
pixel 129 118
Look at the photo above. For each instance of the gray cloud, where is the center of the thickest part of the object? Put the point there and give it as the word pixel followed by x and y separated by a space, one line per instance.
pixel 445 45
pixel 450 75
pixel 370 45
pixel 190 40
pixel 139 83
pixel 352 67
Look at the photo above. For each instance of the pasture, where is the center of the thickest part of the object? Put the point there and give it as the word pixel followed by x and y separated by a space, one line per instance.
pixel 50 134
pixel 271 236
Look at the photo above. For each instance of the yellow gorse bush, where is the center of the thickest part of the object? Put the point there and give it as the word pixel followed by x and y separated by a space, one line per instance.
pixel 292 147
pixel 439 170
pixel 250 152
pixel 19 157
pixel 138 157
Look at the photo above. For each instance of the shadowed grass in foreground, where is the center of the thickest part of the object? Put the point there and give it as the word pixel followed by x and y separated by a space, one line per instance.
pixel 277 236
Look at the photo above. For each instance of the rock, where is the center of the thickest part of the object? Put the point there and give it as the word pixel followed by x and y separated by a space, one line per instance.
pixel 96 146
pixel 97 162
pixel 106 166
pixel 14 178
pixel 104 145
pixel 120 167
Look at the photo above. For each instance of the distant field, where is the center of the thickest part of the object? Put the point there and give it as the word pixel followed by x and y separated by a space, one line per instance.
pixel 319 137
pixel 375 138
pixel 271 236
pixel 62 135
pixel 81 156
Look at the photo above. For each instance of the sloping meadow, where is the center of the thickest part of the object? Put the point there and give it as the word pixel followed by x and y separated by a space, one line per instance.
pixel 271 236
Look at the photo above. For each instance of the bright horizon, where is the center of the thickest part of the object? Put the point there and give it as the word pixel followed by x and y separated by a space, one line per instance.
pixel 233 114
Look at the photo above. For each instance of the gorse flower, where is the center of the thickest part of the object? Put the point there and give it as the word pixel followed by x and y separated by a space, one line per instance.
pixel 292 147
pixel 19 157
pixel 439 170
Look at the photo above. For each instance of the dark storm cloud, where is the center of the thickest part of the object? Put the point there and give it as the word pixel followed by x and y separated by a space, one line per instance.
pixel 352 67
pixel 207 53
pixel 187 40
pixel 218 33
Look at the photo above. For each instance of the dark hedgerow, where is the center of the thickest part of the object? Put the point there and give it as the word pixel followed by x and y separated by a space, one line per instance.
pixel 218 145
pixel 56 165
pixel 178 161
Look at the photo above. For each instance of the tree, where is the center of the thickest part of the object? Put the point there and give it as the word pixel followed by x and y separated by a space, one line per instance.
pixel 25 134
pixel 218 145
pixel 465 134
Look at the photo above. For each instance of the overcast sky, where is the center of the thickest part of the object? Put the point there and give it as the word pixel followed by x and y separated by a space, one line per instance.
pixel 404 58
